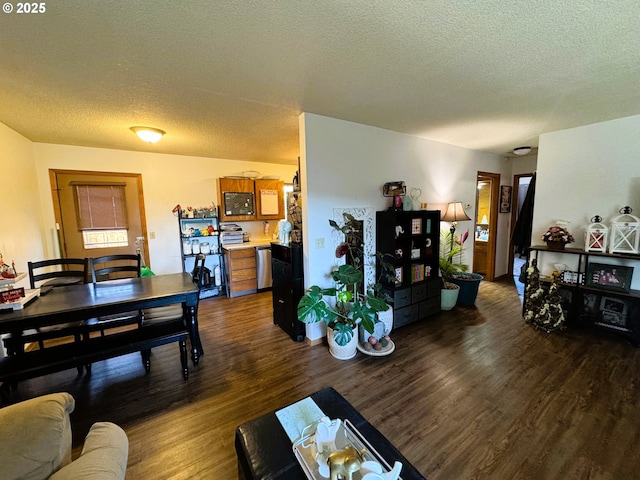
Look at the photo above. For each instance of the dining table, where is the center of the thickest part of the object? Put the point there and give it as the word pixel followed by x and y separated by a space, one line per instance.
pixel 71 303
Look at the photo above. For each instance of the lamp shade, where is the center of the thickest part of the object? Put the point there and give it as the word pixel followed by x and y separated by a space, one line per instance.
pixel 455 213
pixel 148 134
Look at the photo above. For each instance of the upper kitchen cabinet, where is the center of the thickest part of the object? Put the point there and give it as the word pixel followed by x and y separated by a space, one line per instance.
pixel 244 199
pixel 236 198
pixel 269 199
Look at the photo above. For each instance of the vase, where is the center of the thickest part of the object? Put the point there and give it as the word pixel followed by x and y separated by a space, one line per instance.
pixel 345 352
pixel 555 245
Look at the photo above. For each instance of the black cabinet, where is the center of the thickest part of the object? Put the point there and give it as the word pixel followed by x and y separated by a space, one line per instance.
pixel 200 234
pixel 287 288
pixel 410 242
pixel 587 299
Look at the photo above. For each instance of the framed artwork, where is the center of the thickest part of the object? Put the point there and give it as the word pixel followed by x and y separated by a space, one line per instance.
pixel 614 311
pixel 398 275
pixel 609 277
pixel 505 198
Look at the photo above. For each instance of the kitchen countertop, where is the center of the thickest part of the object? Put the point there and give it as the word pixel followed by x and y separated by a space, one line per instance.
pixel 260 242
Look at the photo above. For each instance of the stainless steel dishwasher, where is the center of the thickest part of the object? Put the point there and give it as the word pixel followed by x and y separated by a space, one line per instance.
pixel 263 266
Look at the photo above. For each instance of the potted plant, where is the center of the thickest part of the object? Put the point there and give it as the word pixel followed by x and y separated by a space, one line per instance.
pixel 345 305
pixel 468 282
pixel 449 251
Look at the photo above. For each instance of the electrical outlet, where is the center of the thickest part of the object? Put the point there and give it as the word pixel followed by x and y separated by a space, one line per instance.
pixel 320 242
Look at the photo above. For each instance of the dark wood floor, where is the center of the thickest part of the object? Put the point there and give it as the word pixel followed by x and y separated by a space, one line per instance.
pixel 473 393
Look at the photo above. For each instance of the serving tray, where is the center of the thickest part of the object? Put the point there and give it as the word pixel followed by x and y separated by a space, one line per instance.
pixel 305 449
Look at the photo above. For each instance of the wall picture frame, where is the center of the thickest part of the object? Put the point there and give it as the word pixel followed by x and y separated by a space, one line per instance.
pixel 616 278
pixel 505 198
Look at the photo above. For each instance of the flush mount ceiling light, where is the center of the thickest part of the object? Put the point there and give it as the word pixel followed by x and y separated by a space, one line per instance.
pixel 148 134
pixel 521 150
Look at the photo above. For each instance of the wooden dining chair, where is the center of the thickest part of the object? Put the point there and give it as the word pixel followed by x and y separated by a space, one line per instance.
pixel 112 267
pixel 171 313
pixel 58 272
pixel 46 275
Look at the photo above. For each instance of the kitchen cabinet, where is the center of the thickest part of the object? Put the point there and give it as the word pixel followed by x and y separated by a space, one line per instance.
pixel 588 302
pixel 202 235
pixel 269 199
pixel 410 241
pixel 287 288
pixel 244 199
pixel 241 271
pixel 238 205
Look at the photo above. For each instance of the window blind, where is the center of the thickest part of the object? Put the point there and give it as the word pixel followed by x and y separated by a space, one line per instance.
pixel 101 207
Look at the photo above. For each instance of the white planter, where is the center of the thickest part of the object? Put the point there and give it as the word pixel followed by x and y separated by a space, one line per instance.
pixel 449 297
pixel 387 320
pixel 343 353
pixel 381 328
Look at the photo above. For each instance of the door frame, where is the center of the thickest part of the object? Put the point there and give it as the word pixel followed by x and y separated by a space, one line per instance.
pixel 515 194
pixel 494 179
pixel 57 211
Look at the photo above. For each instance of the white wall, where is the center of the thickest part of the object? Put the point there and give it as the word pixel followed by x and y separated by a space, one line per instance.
pixel 167 180
pixel 586 171
pixel 345 164
pixel 21 237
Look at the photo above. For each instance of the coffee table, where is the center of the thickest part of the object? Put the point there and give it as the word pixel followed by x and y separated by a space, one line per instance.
pixel 265 451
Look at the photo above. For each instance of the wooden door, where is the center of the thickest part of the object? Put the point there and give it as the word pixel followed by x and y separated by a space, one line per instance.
pixel 486 250
pixel 78 242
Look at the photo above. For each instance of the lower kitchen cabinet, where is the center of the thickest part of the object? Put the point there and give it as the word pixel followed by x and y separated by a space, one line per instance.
pixel 241 271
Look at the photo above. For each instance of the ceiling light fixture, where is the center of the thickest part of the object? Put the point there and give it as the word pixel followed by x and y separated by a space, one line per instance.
pixel 148 134
pixel 521 150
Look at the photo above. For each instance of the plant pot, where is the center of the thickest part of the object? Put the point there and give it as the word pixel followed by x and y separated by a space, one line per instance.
pixel 449 296
pixel 469 284
pixel 343 352
pixel 386 318
pixel 555 245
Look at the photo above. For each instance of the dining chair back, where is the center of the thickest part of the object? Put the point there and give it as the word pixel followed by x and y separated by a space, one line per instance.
pixel 110 267
pixel 58 272
pixel 47 274
pixel 170 313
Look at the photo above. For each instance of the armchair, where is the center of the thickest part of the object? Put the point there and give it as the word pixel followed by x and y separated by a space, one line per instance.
pixel 36 443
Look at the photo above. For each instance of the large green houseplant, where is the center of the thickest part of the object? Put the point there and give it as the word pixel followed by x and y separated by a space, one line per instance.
pixel 350 303
pixel 450 261
pixel 455 272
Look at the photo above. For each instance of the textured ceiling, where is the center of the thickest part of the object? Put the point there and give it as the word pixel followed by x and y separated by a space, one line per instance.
pixel 228 79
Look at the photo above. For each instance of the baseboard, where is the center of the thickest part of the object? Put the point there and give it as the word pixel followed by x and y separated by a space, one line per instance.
pixel 317 341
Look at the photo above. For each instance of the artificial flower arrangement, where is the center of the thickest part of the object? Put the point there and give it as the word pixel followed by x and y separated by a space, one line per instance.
pixel 558 233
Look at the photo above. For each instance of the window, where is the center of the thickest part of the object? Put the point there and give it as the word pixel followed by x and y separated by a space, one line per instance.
pixel 101 213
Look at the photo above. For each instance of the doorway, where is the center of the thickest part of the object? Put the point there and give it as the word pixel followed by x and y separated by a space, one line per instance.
pixel 517 260
pixel 99 213
pixel 486 224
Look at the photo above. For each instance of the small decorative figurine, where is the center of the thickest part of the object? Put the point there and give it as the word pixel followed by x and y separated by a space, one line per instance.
pixel 284 230
pixel 342 463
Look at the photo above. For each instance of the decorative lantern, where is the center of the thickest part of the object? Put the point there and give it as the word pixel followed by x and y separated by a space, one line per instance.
pixel 625 232
pixel 596 236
